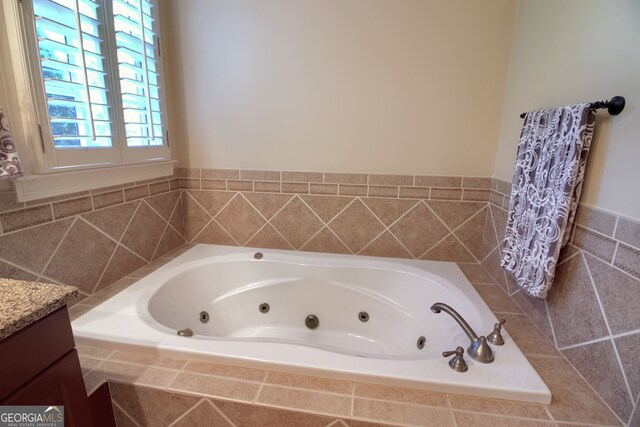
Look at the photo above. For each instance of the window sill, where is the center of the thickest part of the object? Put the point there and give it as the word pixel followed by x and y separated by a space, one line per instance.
pixel 34 187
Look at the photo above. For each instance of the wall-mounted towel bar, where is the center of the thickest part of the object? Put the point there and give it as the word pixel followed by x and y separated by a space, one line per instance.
pixel 614 106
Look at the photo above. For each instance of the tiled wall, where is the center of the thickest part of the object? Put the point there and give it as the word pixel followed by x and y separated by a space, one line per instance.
pixel 90 239
pixel 425 217
pixel 592 313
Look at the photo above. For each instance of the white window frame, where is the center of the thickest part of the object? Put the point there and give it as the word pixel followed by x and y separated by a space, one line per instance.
pixel 45 174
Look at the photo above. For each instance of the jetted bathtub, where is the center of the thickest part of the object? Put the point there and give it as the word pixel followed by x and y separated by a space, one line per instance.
pixel 350 317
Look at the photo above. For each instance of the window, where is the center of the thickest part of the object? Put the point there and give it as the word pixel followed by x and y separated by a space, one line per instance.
pixel 97 73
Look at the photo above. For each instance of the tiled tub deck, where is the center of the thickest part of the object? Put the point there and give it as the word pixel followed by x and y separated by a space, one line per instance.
pixel 161 391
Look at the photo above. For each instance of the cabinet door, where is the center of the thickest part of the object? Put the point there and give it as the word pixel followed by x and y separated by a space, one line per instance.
pixel 61 384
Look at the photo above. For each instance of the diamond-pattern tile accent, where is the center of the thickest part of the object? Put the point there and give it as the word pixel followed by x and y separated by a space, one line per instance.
pixel 454 214
pixel 268 237
pixel 296 222
pixel 268 204
pixel 144 232
pixel 389 210
pixel 386 246
pixel 449 249
pixel 240 219
pixel 325 241
pixel 327 207
pixel 169 241
pixel 471 234
pixel 176 220
pixel 122 263
pixel 32 248
pixel 7 270
pixel 356 226
pixel 114 220
pixel 215 235
pixel 203 414
pixel 193 216
pixel 419 230
pixel 164 203
pixel 81 257
pixel 212 201
pixel 572 297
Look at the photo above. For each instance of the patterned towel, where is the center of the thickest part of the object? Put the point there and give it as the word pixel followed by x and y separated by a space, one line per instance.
pixel 9 163
pixel 546 186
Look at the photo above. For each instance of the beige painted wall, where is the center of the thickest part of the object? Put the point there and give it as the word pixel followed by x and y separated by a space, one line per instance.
pixel 411 86
pixel 579 51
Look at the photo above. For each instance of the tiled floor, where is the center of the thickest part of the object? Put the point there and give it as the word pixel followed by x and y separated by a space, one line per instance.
pixel 157 390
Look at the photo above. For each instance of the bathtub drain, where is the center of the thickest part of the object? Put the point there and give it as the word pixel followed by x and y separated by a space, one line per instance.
pixel 312 321
pixel 203 316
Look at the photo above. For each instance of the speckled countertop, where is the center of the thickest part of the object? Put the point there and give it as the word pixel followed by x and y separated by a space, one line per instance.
pixel 22 303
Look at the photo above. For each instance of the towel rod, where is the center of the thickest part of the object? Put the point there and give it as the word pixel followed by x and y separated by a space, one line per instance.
pixel 614 106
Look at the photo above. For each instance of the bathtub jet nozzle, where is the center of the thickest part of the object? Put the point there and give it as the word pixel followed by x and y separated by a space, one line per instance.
pixel 312 321
pixel 479 349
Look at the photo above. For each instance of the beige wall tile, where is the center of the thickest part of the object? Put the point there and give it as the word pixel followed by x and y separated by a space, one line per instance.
pixel 112 221
pixel 386 245
pixel 628 259
pixel 445 194
pixel 148 360
pixel 8 201
pixel 295 187
pixel 323 188
pixel 476 273
pixel 214 184
pixel 326 207
pixel 628 231
pixel 220 173
pixel 296 223
pixel 158 187
pixel 497 407
pixel 464 419
pixel 400 394
pixel 405 414
pixel 596 219
pixel 239 185
pixel 419 230
pixel 227 371
pixel 449 249
pixel 188 183
pixel 302 176
pixel 111 198
pixel 476 195
pixel 598 364
pixel 345 178
pixel 135 374
pixel 259 416
pixel 24 218
pixel 596 244
pixel 497 299
pixel 188 172
pixel 240 219
pixel 305 400
pixel 395 180
pixel 259 175
pixel 627 346
pixel 477 182
pixel 529 338
pixel 144 232
pixel 310 383
pixel 438 181
pixel 414 192
pixel 352 190
pixel 224 388
pixel 266 186
pixel 204 414
pixel 325 241
pixel 383 191
pixel 356 226
pixel 135 193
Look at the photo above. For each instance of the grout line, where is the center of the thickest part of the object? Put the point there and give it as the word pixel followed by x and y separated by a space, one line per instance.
pixel 453 417
pixel 106 266
pixel 219 411
pixel 184 414
pixel 55 251
pixel 125 413
pixel 553 331
pixel 606 322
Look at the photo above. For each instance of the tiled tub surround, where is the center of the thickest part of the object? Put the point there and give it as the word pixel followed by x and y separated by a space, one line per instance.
pixel 407 216
pixel 160 391
pixel 90 239
pixel 592 313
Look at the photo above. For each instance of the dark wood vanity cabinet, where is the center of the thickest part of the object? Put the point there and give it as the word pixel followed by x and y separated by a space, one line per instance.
pixel 39 366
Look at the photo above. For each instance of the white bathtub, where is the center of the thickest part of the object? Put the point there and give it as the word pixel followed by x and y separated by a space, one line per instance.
pixel 231 286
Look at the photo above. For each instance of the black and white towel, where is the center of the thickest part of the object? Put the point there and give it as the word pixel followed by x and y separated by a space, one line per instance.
pixel 9 163
pixel 552 155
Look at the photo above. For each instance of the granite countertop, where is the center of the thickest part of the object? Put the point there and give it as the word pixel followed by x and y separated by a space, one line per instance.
pixel 22 303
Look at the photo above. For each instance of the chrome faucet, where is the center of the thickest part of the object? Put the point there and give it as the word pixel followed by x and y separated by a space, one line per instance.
pixel 479 349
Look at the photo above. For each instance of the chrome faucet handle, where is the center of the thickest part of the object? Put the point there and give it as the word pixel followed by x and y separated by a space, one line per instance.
pixel 495 337
pixel 457 363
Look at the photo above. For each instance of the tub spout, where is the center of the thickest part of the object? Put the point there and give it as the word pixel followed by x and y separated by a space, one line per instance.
pixel 478 349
